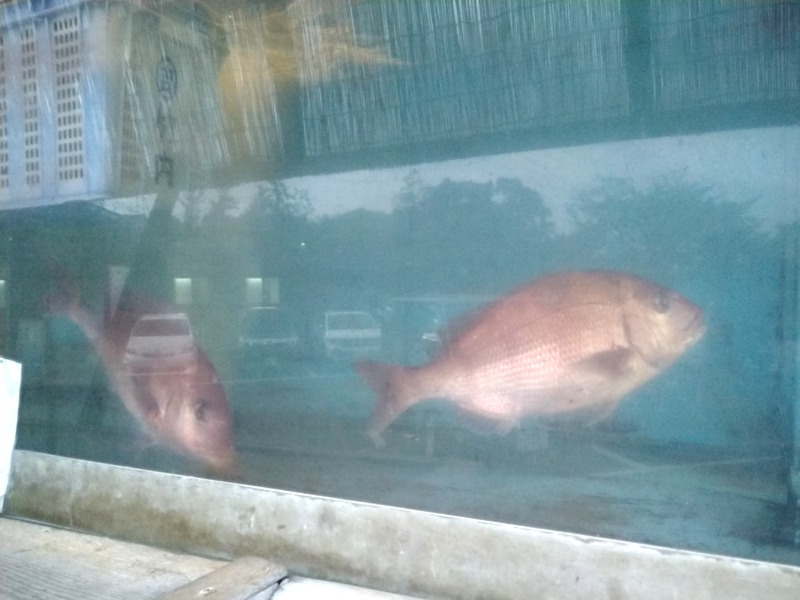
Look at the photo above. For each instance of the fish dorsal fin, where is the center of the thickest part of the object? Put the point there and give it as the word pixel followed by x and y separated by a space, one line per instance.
pixel 453 329
pixel 613 363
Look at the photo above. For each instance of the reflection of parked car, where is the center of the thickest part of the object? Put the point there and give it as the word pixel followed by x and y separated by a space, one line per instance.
pixel 416 327
pixel 161 342
pixel 268 332
pixel 349 335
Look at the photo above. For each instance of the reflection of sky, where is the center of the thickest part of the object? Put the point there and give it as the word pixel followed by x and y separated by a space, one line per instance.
pixel 753 164
pixel 761 164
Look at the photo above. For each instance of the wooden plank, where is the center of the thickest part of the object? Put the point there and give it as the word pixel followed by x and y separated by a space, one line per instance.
pixel 245 578
pixel 37 561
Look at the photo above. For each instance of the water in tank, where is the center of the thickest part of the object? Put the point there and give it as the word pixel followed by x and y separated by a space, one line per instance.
pixel 560 241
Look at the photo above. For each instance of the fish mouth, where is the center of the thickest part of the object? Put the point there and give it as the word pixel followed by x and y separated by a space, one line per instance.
pixel 696 328
pixel 223 465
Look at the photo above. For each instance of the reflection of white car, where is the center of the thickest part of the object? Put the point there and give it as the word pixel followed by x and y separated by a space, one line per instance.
pixel 349 335
pixel 161 342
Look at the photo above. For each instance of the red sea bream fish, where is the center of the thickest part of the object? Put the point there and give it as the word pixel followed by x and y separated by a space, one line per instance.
pixel 185 409
pixel 570 342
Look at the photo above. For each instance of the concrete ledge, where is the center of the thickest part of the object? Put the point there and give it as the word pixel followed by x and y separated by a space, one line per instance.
pixel 416 553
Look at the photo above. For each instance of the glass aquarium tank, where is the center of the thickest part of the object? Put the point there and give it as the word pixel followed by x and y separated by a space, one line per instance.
pixel 533 262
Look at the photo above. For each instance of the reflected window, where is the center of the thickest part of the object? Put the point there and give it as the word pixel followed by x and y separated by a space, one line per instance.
pixel 183 290
pixel 262 290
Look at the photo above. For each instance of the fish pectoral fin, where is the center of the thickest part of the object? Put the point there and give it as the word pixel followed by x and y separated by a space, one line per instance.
pixel 610 363
pixel 394 394
pixel 145 442
pixel 599 412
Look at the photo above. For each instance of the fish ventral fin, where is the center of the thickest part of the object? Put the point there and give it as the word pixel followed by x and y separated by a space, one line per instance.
pixel 485 424
pixel 393 394
pixel 613 363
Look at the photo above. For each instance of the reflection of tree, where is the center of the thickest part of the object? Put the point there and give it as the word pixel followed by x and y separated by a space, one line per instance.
pixel 276 222
pixel 467 236
pixel 686 236
pixel 679 233
pixel 191 203
pixel 226 244
pixel 207 235
pixel 673 227
pixel 351 248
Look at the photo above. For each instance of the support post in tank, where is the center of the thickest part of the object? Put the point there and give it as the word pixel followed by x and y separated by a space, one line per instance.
pixel 790 280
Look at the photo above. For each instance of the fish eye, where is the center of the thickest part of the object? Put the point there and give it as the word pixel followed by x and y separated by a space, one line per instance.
pixel 661 302
pixel 201 410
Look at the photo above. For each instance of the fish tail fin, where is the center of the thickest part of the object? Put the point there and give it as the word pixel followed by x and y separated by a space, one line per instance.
pixel 64 300
pixel 394 390
pixel 65 297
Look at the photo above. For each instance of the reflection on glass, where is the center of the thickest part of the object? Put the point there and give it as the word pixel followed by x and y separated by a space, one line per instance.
pixel 183 290
pixel 349 335
pixel 388 217
pixel 268 333
pixel 159 341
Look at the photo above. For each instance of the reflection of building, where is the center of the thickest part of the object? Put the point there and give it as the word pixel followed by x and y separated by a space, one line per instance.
pixel 547 73
pixel 262 290
pixel 368 82
pixel 86 92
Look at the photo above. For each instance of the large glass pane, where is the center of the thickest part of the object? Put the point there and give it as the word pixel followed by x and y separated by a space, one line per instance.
pixel 531 262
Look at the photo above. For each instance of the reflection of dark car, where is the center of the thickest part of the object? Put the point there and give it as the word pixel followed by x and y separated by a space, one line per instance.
pixel 268 332
pixel 161 342
pixel 415 326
